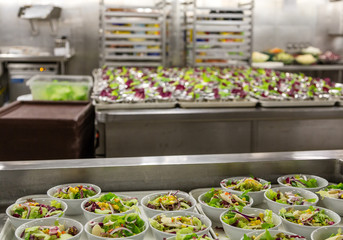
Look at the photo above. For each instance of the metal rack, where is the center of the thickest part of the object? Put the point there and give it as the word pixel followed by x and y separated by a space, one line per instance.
pixel 132 35
pixel 219 36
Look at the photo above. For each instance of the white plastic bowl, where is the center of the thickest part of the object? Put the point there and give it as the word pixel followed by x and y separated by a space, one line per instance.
pixel 214 213
pixel 51 222
pixel 324 232
pixel 16 222
pixel 333 204
pixel 307 230
pixel 272 232
pixel 257 196
pixel 152 212
pixel 90 215
pixel 322 183
pixel 174 237
pixel 159 235
pixel 276 207
pixel 90 236
pixel 74 205
pixel 237 233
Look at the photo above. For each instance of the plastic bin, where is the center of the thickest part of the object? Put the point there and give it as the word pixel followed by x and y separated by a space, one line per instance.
pixel 60 87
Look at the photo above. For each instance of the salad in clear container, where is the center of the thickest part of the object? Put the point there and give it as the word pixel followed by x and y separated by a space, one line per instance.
pixel 33 210
pixel 290 198
pixel 312 216
pixel 59 231
pixel 77 192
pixel 251 184
pixel 169 202
pixel 301 181
pixel 332 191
pixel 236 218
pixel 220 199
pixel 118 226
pixel 110 203
pixel 192 236
pixel 267 235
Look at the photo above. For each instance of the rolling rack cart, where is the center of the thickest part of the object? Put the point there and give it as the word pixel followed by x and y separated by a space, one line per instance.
pixel 219 36
pixel 132 35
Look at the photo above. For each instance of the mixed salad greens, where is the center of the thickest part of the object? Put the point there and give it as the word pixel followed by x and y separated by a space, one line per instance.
pixel 169 202
pixel 110 203
pixel 220 199
pixel 337 236
pixel 268 236
pixel 59 231
pixel 301 181
pixel 332 191
pixel 192 236
pixel 32 210
pixel 118 226
pixel 177 224
pixel 310 217
pixel 289 198
pixel 238 219
pixel 77 192
pixel 247 184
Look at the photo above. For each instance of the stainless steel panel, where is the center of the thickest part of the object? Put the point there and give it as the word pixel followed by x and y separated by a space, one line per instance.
pixel 151 138
pixel 298 135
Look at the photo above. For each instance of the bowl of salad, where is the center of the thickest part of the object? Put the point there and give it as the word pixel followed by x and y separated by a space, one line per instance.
pixel 168 224
pixel 109 203
pixel 239 221
pixel 217 201
pixel 50 229
pixel 128 226
pixel 172 201
pixel 283 197
pixel 303 220
pixel 271 235
pixel 332 197
pixel 327 233
pixel 73 194
pixel 25 211
pixel 304 181
pixel 255 186
pixel 192 236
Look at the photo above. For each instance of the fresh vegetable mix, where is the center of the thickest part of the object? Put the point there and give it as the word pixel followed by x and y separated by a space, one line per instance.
pixel 310 217
pixel 177 224
pixel 49 232
pixel 247 184
pixel 268 236
pixel 220 199
pixel 301 181
pixel 32 210
pixel 191 237
pixel 337 236
pixel 169 202
pixel 332 191
pixel 238 219
pixel 289 198
pixel 77 192
pixel 110 203
pixel 118 226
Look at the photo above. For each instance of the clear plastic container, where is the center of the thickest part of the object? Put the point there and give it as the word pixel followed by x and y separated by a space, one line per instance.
pixel 60 87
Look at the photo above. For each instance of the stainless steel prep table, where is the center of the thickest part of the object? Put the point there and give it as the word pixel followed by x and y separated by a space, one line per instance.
pixel 21 178
pixel 156 132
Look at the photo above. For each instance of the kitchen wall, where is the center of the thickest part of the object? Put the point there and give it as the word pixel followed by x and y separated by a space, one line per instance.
pixel 276 23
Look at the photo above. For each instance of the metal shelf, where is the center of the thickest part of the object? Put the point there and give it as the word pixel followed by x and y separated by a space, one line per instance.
pixel 132 14
pixel 132 21
pixel 120 57
pixel 137 64
pixel 126 43
pixel 132 50
pixel 113 35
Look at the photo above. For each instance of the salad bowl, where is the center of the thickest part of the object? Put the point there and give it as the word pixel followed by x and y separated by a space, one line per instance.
pixel 118 205
pixel 332 198
pixel 257 185
pixel 167 199
pixel 138 222
pixel 294 196
pixel 160 235
pixel 190 237
pixel 74 205
pixel 66 222
pixel 303 214
pixel 235 232
pixel 307 182
pixel 17 221
pixel 326 232
pixel 273 233
pixel 214 210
